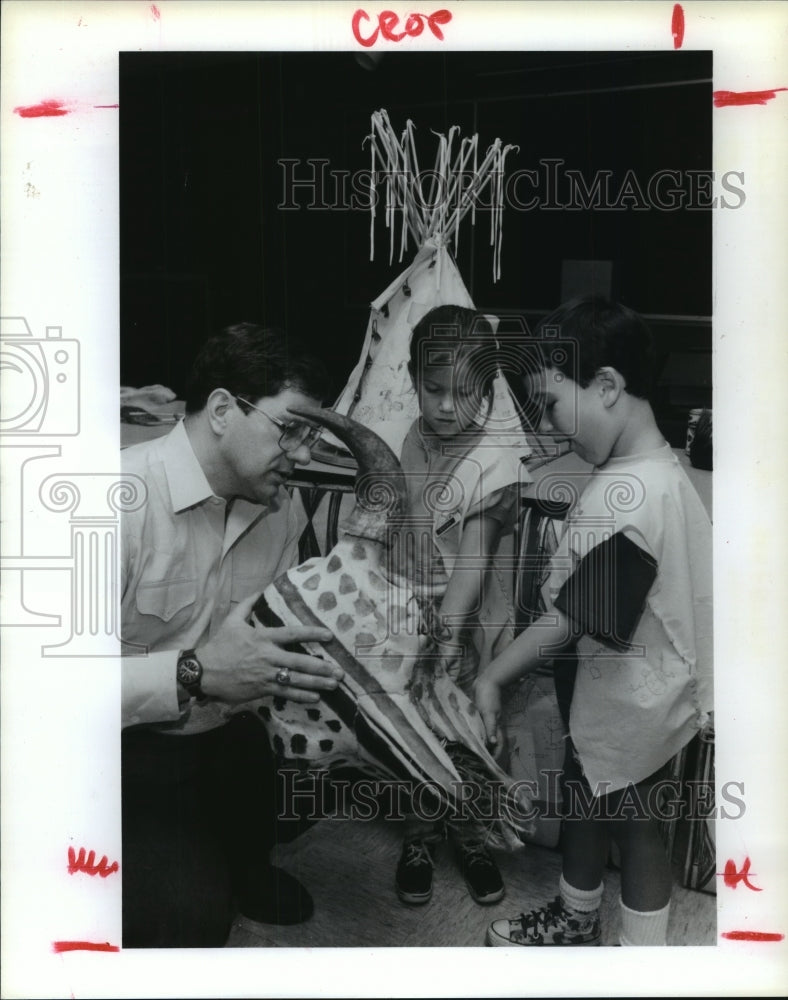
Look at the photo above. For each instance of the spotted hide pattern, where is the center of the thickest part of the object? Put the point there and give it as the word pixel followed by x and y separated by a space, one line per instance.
pixel 393 715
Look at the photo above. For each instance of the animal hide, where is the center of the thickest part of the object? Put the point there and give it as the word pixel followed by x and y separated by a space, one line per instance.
pixel 395 714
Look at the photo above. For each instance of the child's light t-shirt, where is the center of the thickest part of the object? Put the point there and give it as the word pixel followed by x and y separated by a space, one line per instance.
pixel 633 571
pixel 450 482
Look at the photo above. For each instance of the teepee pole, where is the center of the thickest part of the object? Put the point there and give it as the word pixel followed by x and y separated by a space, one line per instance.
pixel 397 172
pixel 460 175
pixel 414 161
pixel 450 197
pixel 480 182
pixel 372 197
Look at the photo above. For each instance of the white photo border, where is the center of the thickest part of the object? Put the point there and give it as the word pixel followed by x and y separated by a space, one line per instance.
pixel 60 717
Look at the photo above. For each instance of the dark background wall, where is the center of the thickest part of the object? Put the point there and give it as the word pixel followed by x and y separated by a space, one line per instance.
pixel 204 242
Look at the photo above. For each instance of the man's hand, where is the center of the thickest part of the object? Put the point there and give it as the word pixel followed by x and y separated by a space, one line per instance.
pixel 241 661
pixel 487 698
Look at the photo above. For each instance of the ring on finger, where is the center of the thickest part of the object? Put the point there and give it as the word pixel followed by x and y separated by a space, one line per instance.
pixel 283 676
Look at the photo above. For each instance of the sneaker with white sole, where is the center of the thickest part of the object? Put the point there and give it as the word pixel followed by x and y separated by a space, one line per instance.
pixel 554 924
pixel 480 872
pixel 414 872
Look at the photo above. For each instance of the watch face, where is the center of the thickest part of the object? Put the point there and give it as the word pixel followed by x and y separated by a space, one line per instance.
pixel 189 671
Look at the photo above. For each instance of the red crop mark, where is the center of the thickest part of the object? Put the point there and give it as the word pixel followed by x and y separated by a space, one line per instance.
pixel 734 98
pixel 752 936
pixel 155 12
pixel 80 863
pixel 44 109
pixel 61 946
pixel 732 877
pixel 388 21
pixel 677 25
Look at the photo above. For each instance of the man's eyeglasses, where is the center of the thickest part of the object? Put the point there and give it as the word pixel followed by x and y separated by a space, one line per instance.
pixel 293 435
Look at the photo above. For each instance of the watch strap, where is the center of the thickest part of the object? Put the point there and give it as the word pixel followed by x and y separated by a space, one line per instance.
pixel 189 673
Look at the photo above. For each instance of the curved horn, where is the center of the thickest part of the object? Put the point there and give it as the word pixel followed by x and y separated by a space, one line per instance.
pixel 380 483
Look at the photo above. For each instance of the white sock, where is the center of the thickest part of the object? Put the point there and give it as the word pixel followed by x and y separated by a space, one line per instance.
pixel 583 900
pixel 644 927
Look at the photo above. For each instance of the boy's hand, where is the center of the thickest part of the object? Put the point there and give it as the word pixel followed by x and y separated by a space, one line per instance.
pixel 487 698
pixel 449 659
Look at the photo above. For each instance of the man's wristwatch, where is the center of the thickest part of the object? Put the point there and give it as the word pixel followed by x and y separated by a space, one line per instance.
pixel 189 673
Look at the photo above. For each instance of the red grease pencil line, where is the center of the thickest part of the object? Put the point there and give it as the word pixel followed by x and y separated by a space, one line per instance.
pixel 733 98
pixel 61 946
pixel 44 109
pixel 752 936
pixel 677 25
pixel 52 109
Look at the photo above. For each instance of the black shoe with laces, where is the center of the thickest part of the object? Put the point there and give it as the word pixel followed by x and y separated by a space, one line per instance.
pixel 480 873
pixel 414 872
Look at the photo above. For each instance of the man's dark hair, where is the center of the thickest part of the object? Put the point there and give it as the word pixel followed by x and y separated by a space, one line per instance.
pixel 604 334
pixel 253 361
pixel 455 335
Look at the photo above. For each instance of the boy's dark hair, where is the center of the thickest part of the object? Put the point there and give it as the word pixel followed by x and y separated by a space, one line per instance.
pixel 604 334
pixel 452 334
pixel 253 361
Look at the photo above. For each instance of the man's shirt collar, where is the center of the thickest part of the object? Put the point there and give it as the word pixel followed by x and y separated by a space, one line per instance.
pixel 186 480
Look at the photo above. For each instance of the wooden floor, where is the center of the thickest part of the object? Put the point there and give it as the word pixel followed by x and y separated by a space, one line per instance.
pixel 348 866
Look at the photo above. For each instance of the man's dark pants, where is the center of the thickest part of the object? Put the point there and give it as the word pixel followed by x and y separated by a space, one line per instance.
pixel 199 821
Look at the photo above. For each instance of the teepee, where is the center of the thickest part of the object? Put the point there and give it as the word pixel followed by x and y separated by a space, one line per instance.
pixel 425 209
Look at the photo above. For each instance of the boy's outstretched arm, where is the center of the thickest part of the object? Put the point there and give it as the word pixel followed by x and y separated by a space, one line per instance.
pixel 537 645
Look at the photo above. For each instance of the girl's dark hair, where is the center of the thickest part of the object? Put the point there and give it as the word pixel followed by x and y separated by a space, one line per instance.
pixel 452 335
pixel 589 333
pixel 252 361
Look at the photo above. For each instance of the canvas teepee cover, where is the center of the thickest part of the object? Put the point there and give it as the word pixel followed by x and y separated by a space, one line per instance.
pixel 427 209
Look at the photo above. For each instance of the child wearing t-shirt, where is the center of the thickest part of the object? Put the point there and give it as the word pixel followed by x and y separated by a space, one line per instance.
pixel 463 486
pixel 628 627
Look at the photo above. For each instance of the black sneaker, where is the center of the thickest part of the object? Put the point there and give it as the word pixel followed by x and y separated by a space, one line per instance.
pixel 480 873
pixel 414 872
pixel 553 924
